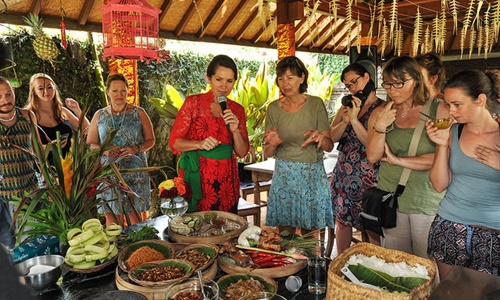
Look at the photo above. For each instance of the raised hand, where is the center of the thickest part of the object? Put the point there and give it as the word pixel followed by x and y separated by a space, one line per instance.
pixel 488 156
pixel 438 136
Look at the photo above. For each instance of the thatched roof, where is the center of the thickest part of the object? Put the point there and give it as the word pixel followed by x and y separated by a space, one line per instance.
pixel 247 23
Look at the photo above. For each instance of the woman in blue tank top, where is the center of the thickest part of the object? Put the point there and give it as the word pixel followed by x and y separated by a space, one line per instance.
pixel 466 230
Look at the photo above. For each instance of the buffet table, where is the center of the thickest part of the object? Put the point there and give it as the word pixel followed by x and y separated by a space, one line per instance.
pixel 460 283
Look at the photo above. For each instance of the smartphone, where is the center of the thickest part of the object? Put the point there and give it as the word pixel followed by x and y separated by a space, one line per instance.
pixel 64 136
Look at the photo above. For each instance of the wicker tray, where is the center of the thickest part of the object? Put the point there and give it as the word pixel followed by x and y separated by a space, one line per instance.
pixel 207 248
pixel 339 288
pixel 93 269
pixel 225 281
pixel 214 239
pixel 188 268
pixel 152 293
pixel 165 248
pixel 276 272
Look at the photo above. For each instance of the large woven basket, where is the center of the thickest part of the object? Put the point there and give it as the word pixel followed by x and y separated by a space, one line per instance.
pixel 339 288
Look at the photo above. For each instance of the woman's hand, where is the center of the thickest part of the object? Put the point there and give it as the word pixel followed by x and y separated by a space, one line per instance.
pixel 314 136
pixel 113 152
pixel 438 136
pixel 231 120
pixel 208 144
pixel 128 150
pixel 385 117
pixel 488 156
pixel 73 105
pixel 272 137
pixel 353 111
pixel 390 157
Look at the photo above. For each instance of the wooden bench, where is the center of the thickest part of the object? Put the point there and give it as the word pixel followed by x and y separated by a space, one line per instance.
pixel 246 209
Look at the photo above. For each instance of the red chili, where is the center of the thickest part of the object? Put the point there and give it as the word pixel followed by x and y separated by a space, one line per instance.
pixel 258 260
pixel 271 263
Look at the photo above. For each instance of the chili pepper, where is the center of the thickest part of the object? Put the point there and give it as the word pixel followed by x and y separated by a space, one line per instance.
pixel 271 263
pixel 259 260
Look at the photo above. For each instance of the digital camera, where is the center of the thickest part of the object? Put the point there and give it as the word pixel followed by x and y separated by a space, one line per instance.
pixel 362 95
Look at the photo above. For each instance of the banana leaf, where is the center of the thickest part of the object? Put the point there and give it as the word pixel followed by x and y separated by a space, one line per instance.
pixel 384 280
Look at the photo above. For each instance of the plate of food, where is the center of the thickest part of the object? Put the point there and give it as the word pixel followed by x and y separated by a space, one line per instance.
pixel 265 251
pixel 236 286
pixel 161 273
pixel 200 255
pixel 206 227
pixel 142 252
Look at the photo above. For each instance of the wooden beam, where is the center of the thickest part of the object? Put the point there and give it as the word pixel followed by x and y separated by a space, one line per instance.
pixel 224 27
pixel 327 31
pixel 186 18
pixel 164 9
pixel 85 12
pixel 36 7
pixel 215 11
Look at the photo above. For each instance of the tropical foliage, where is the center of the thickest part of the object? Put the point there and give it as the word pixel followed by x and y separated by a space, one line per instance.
pixel 69 195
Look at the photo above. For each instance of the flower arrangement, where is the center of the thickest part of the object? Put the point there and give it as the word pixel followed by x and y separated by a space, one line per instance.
pixel 171 188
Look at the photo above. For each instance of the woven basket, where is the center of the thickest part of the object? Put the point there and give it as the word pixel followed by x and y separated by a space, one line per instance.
pixel 165 248
pixel 93 269
pixel 339 288
pixel 211 249
pixel 188 268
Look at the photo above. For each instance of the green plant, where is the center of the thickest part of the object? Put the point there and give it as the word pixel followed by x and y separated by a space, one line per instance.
pixel 68 197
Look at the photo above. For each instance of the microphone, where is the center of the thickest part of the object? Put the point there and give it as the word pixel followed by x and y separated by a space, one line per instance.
pixel 223 105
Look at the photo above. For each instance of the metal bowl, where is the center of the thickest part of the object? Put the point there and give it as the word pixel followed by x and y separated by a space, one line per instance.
pixel 36 272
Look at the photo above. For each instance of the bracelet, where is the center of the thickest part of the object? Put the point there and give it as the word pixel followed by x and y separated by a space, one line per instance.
pixel 140 148
pixel 378 131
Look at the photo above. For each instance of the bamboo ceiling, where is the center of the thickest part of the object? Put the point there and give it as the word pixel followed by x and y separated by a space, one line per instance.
pixel 328 26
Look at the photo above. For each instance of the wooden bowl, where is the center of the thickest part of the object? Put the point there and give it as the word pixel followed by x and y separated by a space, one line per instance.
pixel 276 272
pixel 165 248
pixel 206 248
pixel 214 239
pixel 225 281
pixel 187 266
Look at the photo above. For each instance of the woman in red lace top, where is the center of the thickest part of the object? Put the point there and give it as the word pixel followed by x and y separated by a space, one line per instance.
pixel 209 139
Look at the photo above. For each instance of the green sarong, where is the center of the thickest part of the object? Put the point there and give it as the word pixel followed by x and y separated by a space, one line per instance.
pixel 190 163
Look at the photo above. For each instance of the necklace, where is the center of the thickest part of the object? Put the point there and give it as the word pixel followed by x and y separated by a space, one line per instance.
pixel 118 112
pixel 123 118
pixel 9 120
pixel 404 114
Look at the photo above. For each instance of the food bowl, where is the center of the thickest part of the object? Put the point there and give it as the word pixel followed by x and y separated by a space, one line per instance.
pixel 263 296
pixel 442 123
pixel 40 272
pixel 190 289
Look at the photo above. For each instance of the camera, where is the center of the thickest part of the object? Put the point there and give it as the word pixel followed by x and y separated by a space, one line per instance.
pixel 347 100
pixel 362 95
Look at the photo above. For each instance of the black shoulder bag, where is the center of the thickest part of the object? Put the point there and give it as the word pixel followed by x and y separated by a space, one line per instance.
pixel 380 207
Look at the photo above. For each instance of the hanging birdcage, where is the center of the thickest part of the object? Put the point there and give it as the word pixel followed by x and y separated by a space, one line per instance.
pixel 130 30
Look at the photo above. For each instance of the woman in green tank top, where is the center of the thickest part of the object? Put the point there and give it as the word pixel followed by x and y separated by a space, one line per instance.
pixel 390 129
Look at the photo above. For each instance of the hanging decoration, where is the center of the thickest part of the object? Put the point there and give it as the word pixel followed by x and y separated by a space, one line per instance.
pixel 64 42
pixel 130 30
pixel 417 32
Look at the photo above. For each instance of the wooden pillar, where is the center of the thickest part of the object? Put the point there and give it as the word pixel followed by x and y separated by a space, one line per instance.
pixel 287 12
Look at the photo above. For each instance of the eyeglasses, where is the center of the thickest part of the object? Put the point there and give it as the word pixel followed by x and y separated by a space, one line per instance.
pixel 396 85
pixel 353 83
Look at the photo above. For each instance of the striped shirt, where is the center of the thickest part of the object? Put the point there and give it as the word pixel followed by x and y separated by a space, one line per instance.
pixel 17 173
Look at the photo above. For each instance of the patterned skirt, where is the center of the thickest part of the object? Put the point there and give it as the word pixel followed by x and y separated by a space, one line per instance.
pixel 299 196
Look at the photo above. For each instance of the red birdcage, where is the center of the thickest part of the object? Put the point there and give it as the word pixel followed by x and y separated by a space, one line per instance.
pixel 130 30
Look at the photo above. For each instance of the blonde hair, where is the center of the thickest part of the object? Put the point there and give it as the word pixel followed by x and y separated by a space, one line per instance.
pixel 34 101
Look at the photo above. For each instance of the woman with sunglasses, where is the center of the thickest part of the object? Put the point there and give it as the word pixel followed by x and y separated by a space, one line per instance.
pixel 390 130
pixel 297 133
pixel 349 129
